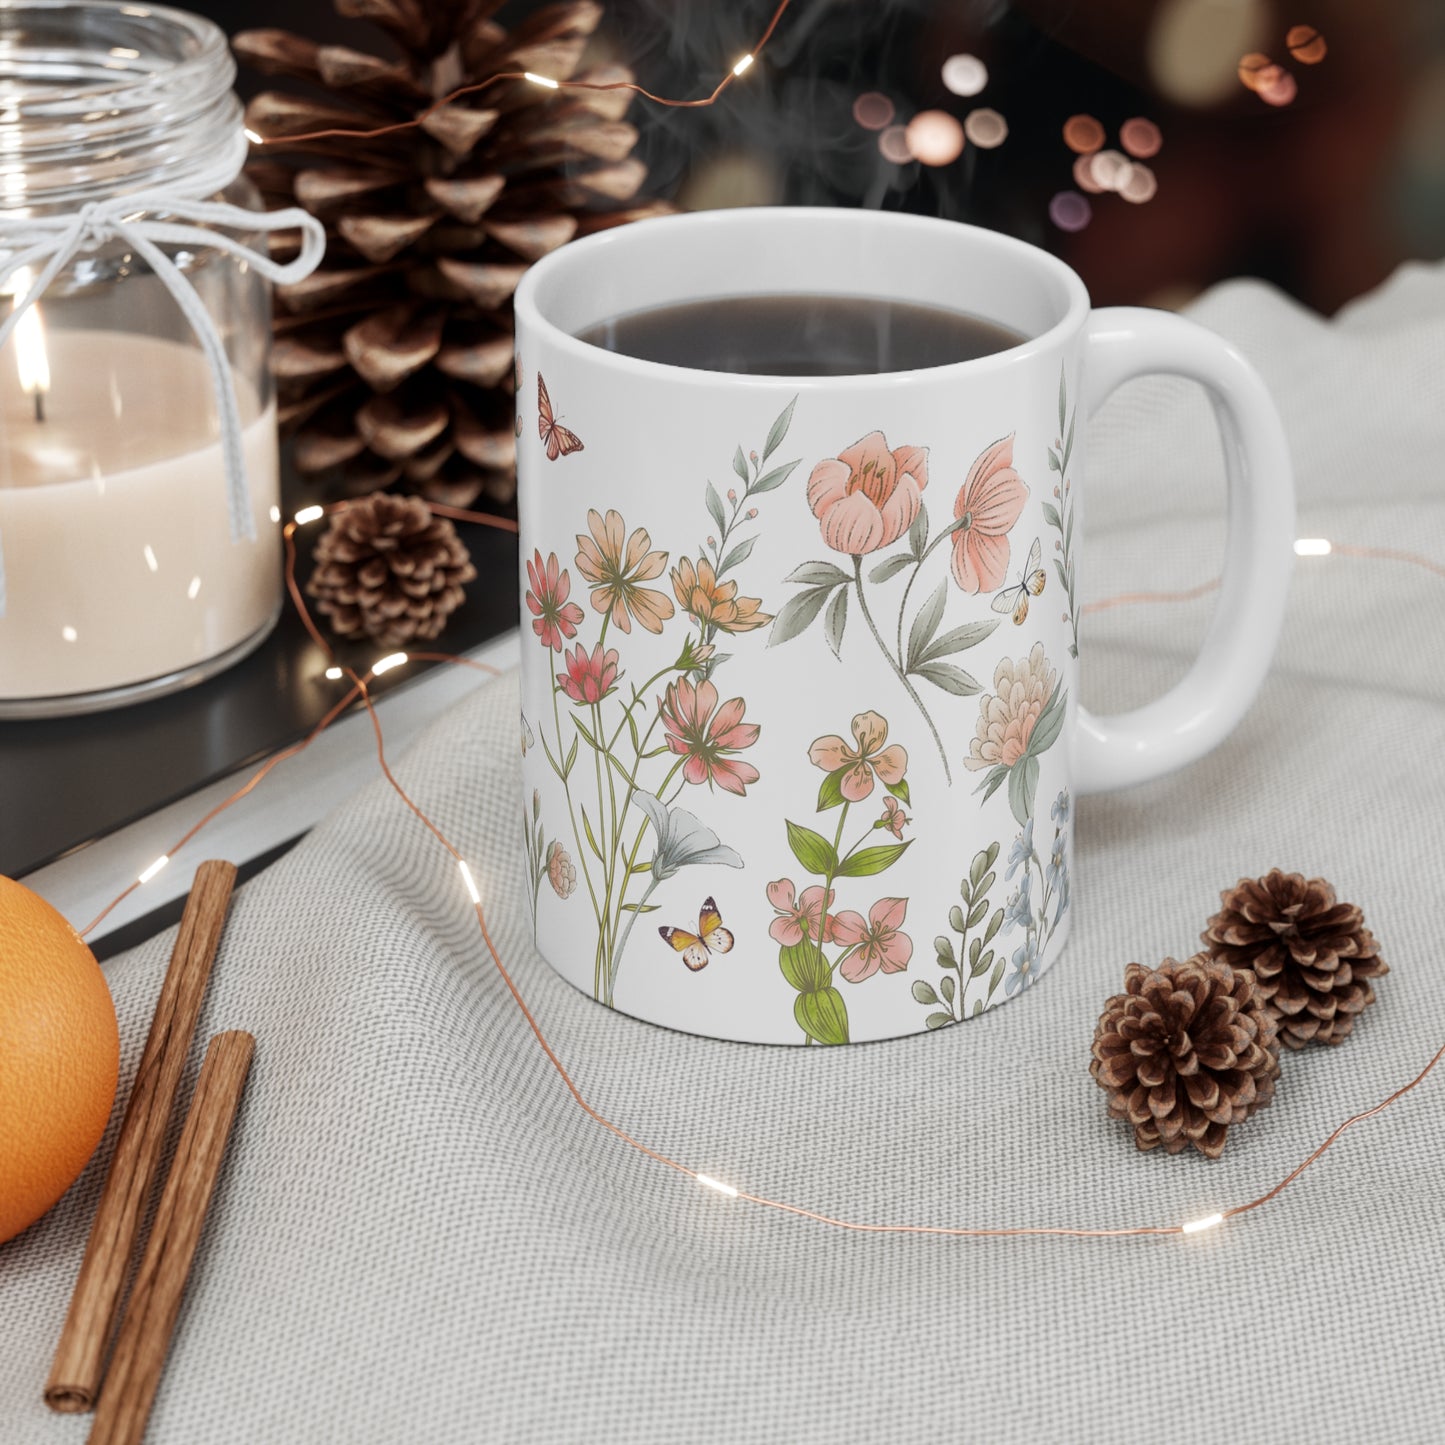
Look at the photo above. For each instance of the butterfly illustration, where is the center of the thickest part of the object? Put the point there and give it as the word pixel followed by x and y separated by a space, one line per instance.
pixel 560 442
pixel 711 937
pixel 527 736
pixel 1031 581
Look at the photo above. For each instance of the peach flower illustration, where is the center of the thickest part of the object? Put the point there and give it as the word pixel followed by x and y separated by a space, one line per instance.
pixel 866 758
pixel 799 918
pixel 1007 716
pixel 714 603
pixel 867 496
pixel 893 818
pixel 988 504
pixel 615 564
pixel 879 942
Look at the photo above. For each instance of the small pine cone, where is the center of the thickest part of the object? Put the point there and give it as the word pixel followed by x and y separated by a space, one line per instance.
pixel 1185 1051
pixel 388 570
pixel 1313 957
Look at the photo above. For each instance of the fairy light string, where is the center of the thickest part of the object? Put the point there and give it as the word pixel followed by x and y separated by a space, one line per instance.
pixel 360 691
pixel 545 82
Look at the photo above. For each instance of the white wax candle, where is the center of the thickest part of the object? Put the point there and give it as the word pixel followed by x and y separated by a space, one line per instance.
pixel 114 523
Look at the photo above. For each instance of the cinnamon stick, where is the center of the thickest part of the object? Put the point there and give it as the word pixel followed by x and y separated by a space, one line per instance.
pixel 79 1362
pixel 155 1298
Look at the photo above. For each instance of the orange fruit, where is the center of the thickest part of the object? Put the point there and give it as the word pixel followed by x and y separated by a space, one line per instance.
pixel 59 1056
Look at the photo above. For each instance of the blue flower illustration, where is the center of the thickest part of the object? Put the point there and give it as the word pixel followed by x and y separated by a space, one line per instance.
pixel 1021 974
pixel 1060 810
pixel 1019 912
pixel 1022 850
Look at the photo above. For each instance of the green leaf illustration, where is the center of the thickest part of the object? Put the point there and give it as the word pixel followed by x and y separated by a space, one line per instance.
pixel 836 620
pixel 890 568
pixel 994 924
pixel 582 728
pixel 1063 399
pixel 926 624
pixel 992 779
pixel 797 614
pixel 978 913
pixel 640 907
pixel 977 1007
pixel 715 508
pixel 774 479
pixel 818 574
pixel 947 988
pixel 899 789
pixel 866 861
pixel 958 639
pixel 1063 580
pixel 1053 460
pixel 812 850
pixel 779 430
pixel 918 535
pixel 980 965
pixel 740 465
pixel 1022 784
pixel 803 968
pixel 938 1021
pixel 738 555
pixel 587 828
pixel 1050 723
pixel 924 993
pixel 830 790
pixel 943 947
pixel 1069 440
pixel 950 678
pixel 997 978
pixel 1051 516
pixel 569 760
pixel 822 1015
pixel 955 919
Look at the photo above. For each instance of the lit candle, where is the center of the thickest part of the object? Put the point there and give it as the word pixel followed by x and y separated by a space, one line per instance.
pixel 120 564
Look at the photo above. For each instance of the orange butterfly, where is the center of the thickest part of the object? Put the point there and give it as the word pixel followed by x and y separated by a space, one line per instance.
pixel 711 937
pixel 560 441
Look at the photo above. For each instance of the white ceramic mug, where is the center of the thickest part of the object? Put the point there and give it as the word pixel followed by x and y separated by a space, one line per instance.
pixel 800 725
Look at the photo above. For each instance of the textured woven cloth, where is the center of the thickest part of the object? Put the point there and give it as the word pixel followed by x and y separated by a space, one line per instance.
pixel 419 1237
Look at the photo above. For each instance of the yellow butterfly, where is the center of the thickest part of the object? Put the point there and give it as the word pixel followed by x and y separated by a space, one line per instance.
pixel 1015 599
pixel 698 948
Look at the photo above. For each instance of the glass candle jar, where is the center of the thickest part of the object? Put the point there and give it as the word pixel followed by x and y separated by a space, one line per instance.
pixel 129 570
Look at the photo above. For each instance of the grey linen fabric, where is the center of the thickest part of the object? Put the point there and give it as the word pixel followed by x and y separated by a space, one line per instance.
pixel 419 1237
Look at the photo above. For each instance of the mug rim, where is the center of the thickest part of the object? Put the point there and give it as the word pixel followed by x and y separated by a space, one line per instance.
pixel 528 307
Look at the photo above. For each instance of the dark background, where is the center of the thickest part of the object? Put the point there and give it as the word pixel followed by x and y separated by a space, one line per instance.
pixel 1324 196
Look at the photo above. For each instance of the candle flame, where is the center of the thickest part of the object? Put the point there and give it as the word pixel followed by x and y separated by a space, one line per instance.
pixel 31 359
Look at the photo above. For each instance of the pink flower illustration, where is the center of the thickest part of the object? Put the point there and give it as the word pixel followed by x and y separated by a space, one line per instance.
pixel 893 818
pixel 1006 717
pixel 705 734
pixel 799 918
pixel 553 617
pixel 989 502
pixel 879 942
pixel 589 677
pixel 561 872
pixel 863 760
pixel 867 496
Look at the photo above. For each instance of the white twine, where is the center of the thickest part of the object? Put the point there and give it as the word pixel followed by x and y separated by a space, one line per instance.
pixel 52 242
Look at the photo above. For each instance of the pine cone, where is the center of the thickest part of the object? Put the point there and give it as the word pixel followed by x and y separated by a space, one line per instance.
pixel 1313 957
pixel 394 360
pixel 388 570
pixel 1185 1051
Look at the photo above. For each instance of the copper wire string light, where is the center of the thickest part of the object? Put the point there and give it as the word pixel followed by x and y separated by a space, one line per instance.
pixel 360 690
pixel 546 82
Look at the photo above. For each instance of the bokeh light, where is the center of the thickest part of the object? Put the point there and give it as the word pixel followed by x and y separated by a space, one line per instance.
pixel 985 128
pixel 1110 170
pixel 1140 137
pixel 893 142
pixel 1083 134
pixel 1070 211
pixel 965 74
pixel 934 137
pixel 1139 185
pixel 1084 175
pixel 1306 44
pixel 873 110
pixel 1252 66
pixel 1194 46
pixel 1278 87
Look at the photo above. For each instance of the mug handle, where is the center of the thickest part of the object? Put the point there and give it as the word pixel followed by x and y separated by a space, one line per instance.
pixel 1198 712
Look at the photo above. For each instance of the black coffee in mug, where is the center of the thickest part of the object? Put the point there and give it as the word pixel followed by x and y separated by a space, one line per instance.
pixel 801 335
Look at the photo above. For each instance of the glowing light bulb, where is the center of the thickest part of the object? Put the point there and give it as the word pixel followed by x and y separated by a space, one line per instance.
pixel 1313 547
pixel 469 880
pixel 309 514
pixel 710 1183
pixel 543 80
pixel 275 513
pixel 385 664
pixel 742 64
pixel 333 674
pixel 1195 1226
pixel 256 140
pixel 154 868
